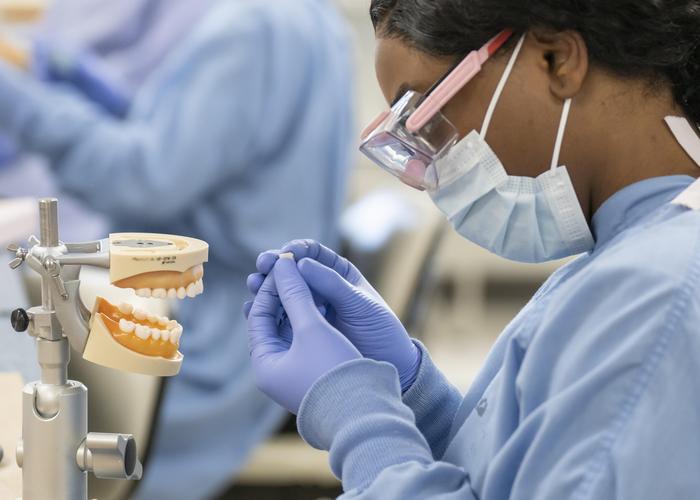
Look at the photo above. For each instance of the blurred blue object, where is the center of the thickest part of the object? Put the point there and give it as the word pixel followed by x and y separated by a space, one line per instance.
pixel 241 137
pixel 8 151
pixel 131 37
pixel 82 70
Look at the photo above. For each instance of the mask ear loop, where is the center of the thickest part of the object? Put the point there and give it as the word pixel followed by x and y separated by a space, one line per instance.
pixel 560 133
pixel 499 89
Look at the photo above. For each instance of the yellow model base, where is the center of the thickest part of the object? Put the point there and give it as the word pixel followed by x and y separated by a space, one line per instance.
pixel 102 349
pixel 131 254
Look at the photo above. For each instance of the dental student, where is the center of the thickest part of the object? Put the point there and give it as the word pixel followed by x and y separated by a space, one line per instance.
pixel 556 128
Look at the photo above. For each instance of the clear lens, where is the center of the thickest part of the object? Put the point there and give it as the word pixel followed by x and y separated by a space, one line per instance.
pixel 408 156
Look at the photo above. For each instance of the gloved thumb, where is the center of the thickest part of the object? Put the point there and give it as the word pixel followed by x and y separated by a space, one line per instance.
pixel 327 283
pixel 294 293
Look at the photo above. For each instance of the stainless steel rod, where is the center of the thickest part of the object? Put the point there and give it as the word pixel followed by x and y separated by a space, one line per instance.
pixel 48 220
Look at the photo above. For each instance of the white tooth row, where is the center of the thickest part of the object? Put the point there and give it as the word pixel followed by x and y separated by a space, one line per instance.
pixel 172 331
pixel 144 333
pixel 192 290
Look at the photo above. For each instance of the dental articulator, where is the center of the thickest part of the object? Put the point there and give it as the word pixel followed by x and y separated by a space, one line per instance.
pixel 56 451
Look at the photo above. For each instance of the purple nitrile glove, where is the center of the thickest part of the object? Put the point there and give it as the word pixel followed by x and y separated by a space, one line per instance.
pixel 84 71
pixel 290 354
pixel 353 306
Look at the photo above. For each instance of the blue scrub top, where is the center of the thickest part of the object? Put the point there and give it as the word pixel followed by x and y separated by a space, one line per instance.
pixel 241 137
pixel 590 393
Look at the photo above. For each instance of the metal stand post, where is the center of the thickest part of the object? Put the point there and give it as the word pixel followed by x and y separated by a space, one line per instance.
pixel 56 451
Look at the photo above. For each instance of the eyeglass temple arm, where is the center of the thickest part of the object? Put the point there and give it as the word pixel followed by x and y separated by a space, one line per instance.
pixel 455 81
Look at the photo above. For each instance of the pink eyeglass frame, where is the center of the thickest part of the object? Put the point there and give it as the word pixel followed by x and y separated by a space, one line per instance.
pixel 462 74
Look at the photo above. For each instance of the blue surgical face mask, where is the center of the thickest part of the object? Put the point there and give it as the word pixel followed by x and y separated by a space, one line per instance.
pixel 520 218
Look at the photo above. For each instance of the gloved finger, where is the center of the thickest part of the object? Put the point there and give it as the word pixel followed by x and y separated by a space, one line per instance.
pixel 295 295
pixel 263 327
pixel 314 250
pixel 254 282
pixel 327 283
pixel 266 261
pixel 247 306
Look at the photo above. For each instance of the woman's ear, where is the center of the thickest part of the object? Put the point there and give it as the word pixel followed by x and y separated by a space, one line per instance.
pixel 566 57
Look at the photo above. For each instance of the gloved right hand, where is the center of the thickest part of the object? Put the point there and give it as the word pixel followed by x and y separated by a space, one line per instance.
pixel 356 309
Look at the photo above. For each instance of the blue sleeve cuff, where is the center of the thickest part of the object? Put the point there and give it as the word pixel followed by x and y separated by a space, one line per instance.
pixel 434 401
pixel 356 412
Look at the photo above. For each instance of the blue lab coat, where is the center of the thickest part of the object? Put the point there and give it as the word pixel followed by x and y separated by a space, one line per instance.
pixel 590 393
pixel 241 138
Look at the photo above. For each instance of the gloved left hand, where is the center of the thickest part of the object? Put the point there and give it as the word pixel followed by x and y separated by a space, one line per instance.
pixel 291 354
pixel 82 70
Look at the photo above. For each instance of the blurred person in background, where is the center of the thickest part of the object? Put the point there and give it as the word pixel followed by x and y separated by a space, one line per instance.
pixel 225 121
pixel 555 128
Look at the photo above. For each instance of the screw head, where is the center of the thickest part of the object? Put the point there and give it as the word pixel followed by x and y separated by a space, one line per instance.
pixel 20 320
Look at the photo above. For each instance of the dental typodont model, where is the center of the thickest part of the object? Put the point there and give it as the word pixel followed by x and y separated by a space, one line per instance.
pixel 156 266
pixel 56 450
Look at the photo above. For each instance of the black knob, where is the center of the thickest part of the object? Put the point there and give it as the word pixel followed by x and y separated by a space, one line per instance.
pixel 20 320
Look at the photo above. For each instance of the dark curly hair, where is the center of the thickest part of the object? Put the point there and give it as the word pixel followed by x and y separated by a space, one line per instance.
pixel 654 39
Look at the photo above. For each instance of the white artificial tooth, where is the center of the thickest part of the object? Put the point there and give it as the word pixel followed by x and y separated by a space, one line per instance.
pixel 155 333
pixel 175 334
pixel 172 324
pixel 163 321
pixel 181 293
pixel 126 308
pixel 144 292
pixel 140 314
pixel 191 290
pixel 160 293
pixel 198 270
pixel 172 293
pixel 126 326
pixel 153 318
pixel 142 332
pixel 200 287
pixel 165 335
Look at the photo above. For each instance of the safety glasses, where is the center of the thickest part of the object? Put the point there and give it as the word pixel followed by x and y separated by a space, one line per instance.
pixel 407 139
